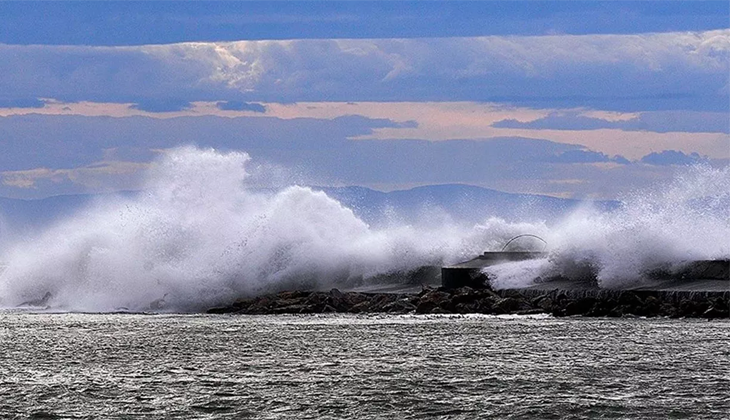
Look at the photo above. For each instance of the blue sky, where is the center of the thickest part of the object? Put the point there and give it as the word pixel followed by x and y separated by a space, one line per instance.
pixel 151 22
pixel 595 98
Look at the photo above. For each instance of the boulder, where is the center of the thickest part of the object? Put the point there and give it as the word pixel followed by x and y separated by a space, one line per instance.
pixel 579 306
pixel 399 306
pixel 506 305
pixel 436 297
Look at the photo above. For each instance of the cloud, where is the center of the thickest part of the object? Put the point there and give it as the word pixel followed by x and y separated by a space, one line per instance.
pixel 658 122
pixel 99 176
pixel 50 155
pixel 671 157
pixel 240 106
pixel 587 156
pixel 33 141
pixel 659 71
pixel 162 105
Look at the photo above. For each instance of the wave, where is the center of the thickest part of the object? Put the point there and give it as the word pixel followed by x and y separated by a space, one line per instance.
pixel 199 235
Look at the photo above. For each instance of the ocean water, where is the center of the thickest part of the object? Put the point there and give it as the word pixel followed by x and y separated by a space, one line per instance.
pixel 120 366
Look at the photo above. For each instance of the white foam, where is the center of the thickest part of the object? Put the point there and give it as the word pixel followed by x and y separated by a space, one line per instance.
pixel 198 236
pixel 683 220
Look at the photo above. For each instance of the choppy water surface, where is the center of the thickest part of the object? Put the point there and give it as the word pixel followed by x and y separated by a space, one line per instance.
pixel 185 366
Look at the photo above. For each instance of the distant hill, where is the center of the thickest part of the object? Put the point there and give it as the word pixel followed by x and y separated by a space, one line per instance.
pixel 428 204
pixel 465 203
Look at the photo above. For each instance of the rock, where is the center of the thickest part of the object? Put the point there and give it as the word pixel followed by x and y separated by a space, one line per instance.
pixel 425 290
pixel 378 302
pixel 426 307
pixel 579 306
pixel 630 299
pixel 464 295
pixel 482 293
pixel 291 309
pixel 533 311
pixel 652 307
pixel 546 304
pixel 714 313
pixel 280 303
pixel 439 310
pixel 316 299
pixel 506 305
pixel 360 307
pixel 537 300
pixel 485 305
pixel 328 309
pixel 686 308
pixel 294 294
pixel 467 300
pixel 354 298
pixel 466 308
pixel 436 297
pixel 511 293
pixel 399 306
pixel 261 305
pixel 619 311
pixel 600 308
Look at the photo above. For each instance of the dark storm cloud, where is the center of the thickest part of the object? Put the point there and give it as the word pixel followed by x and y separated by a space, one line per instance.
pixel 671 157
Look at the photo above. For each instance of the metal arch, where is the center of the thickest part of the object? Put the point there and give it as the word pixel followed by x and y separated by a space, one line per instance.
pixel 524 235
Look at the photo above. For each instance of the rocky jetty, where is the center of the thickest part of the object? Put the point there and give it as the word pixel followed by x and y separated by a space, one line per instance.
pixel 465 300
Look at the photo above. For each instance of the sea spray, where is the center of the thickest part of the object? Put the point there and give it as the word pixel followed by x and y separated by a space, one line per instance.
pixel 198 236
pixel 659 229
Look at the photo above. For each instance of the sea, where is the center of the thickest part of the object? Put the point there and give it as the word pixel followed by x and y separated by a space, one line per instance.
pixel 336 366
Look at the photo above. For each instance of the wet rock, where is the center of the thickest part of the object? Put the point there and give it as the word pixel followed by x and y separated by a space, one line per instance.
pixel 355 298
pixel 436 297
pixel 316 299
pixel 439 310
pixel 294 294
pixel 652 307
pixel 360 307
pixel 260 306
pixel 467 300
pixel 399 306
pixel 426 307
pixel 714 312
pixel 533 311
pixel 506 305
pixel 466 308
pixel 383 299
pixel 630 299
pixel 687 308
pixel 579 306
pixel 291 309
pixel 328 309
pixel 280 303
pixel 546 304
pixel 486 304
pixel 536 300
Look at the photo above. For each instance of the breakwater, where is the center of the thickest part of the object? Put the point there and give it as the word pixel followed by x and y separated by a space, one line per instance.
pixel 465 300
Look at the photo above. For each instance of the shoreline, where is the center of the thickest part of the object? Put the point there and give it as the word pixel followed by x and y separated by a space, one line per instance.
pixel 466 300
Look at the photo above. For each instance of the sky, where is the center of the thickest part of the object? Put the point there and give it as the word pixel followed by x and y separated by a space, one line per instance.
pixel 566 98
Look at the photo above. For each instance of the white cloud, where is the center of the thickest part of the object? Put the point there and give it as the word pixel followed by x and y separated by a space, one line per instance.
pixel 663 70
pixel 97 177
